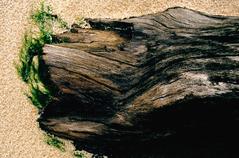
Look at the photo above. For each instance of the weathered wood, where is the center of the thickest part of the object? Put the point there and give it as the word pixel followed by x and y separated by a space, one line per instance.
pixel 144 78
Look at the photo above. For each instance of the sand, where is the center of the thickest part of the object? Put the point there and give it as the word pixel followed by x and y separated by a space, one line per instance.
pixel 20 136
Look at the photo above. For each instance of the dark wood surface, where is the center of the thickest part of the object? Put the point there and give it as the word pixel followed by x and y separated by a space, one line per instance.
pixel 141 80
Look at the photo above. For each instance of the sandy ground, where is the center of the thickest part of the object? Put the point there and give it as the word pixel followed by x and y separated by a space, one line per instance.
pixel 20 136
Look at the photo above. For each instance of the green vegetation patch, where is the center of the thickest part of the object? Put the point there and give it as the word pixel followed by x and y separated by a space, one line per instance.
pixel 79 154
pixel 55 142
pixel 31 68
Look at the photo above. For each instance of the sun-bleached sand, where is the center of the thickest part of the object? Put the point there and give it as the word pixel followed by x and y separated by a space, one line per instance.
pixel 20 136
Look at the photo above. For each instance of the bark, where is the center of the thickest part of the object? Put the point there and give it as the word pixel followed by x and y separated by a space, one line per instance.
pixel 137 81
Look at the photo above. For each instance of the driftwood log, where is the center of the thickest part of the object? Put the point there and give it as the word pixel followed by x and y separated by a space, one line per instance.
pixel 147 81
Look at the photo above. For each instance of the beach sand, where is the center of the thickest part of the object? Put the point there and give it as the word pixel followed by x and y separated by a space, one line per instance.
pixel 20 136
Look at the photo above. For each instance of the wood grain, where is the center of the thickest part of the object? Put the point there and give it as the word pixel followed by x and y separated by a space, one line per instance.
pixel 144 78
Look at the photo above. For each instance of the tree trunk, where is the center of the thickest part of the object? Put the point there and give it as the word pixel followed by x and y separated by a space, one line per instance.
pixel 143 80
